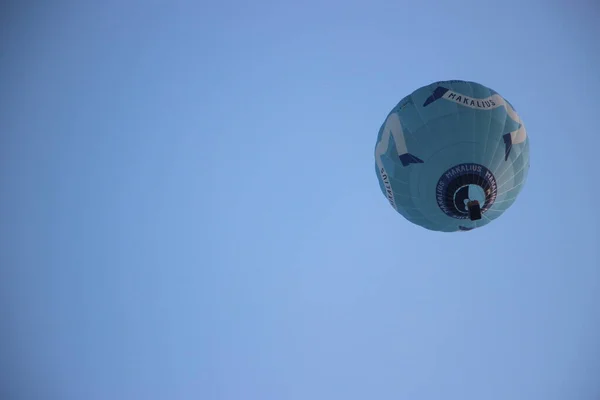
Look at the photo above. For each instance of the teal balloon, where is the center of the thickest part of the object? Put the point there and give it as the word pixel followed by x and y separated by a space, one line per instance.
pixel 452 156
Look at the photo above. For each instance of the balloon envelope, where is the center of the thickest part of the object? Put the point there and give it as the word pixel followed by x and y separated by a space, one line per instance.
pixel 452 156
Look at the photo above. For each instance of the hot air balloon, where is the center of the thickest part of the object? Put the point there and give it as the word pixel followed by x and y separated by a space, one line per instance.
pixel 452 156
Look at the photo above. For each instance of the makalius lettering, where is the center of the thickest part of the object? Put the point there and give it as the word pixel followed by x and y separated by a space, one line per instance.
pixel 440 195
pixel 463 169
pixel 388 187
pixel 475 103
pixel 487 103
pixel 492 191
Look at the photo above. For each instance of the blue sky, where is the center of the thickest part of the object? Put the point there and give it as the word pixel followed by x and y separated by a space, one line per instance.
pixel 189 207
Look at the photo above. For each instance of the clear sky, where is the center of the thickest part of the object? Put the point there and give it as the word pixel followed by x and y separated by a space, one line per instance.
pixel 189 205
